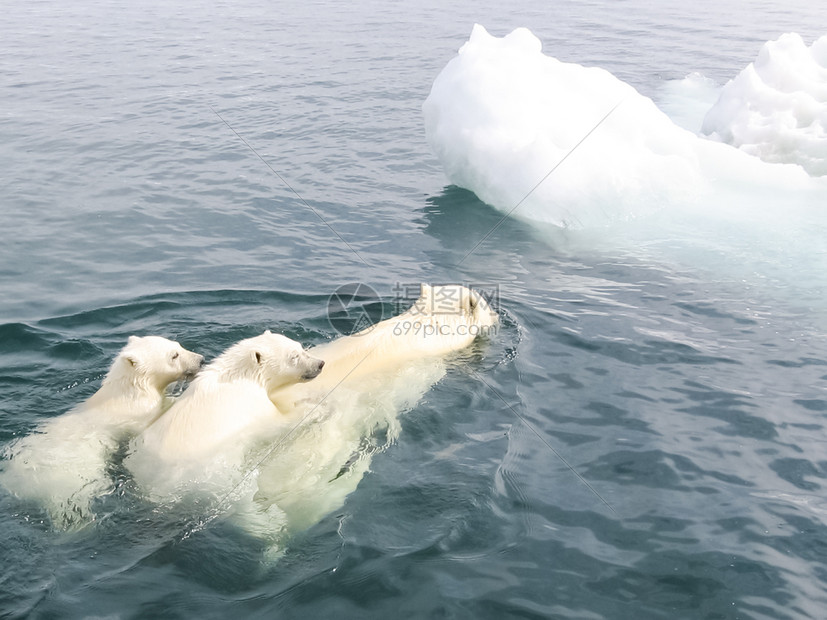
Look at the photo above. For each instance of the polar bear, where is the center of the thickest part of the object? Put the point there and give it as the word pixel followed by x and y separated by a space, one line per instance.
pixel 444 319
pixel 222 412
pixel 63 464
pixel 278 441
pixel 352 409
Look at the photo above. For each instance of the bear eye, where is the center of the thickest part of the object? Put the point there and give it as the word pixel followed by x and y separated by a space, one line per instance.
pixel 175 355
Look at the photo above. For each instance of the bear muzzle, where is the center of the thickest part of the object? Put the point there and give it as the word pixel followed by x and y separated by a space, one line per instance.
pixel 194 368
pixel 315 369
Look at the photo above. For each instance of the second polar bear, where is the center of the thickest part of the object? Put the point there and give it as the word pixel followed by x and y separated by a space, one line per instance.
pixel 223 411
pixel 62 465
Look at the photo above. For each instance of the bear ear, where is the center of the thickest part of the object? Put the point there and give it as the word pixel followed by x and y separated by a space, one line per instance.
pixel 132 339
pixel 267 332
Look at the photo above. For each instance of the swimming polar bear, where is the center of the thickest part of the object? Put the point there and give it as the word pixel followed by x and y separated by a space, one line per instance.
pixel 442 320
pixel 351 411
pixel 62 465
pixel 224 411
pixel 282 442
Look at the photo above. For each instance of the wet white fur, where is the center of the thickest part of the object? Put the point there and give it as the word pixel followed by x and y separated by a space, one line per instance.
pixel 62 465
pixel 224 409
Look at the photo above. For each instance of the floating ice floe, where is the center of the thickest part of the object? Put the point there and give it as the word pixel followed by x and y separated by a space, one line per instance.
pixel 576 147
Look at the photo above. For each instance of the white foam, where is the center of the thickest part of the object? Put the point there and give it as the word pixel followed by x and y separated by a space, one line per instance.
pixel 776 108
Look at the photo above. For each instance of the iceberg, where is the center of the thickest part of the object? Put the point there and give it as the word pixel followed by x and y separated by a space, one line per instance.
pixel 577 148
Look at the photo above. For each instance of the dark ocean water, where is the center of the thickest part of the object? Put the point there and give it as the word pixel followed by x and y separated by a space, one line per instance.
pixel 645 438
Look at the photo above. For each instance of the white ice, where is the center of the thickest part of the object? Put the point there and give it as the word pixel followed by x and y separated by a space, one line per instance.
pixel 501 115
pixel 776 108
pixel 574 148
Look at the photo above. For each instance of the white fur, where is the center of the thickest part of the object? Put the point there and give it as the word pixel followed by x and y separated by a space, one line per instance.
pixel 222 411
pixel 304 444
pixel 63 464
pixel 444 319
pixel 368 379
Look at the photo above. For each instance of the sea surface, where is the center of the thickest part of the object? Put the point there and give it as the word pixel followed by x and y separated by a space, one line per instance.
pixel 643 438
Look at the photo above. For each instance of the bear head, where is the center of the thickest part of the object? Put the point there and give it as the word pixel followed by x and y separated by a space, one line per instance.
pixel 272 360
pixel 153 362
